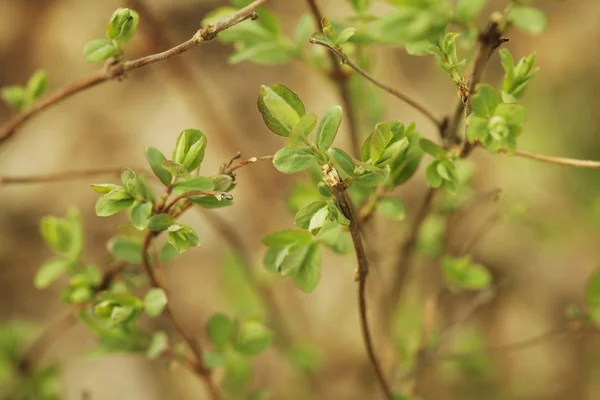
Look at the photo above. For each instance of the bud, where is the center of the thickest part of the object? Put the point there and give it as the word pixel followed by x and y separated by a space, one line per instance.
pixel 328 29
pixel 189 150
pixel 498 127
pixel 122 25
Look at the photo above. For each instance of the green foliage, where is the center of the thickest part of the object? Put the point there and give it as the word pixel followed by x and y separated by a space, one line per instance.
pixel 155 301
pixel 516 77
pixel 441 171
pixel 463 274
pixel 392 208
pixel 466 11
pixel 281 108
pixel 20 98
pixel 493 124
pixel 328 127
pixel 120 29
pixel 529 19
pixel 592 297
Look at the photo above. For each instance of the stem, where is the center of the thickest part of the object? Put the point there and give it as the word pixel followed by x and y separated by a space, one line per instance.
pixel 405 98
pixel 340 78
pixel 570 162
pixel 111 71
pixel 339 191
pixel 229 168
pixel 60 176
pixel 219 195
pixel 201 370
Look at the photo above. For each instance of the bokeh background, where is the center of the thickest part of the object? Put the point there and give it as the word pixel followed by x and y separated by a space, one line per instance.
pixel 540 239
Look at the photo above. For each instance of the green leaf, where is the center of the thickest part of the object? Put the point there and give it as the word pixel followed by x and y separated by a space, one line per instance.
pixel 213 359
pixel 529 19
pixel 288 237
pixel 308 273
pixel 431 148
pixel 177 170
pixel 104 188
pixel 467 10
pixel 293 160
pixel 106 207
pixel 57 233
pixel 592 296
pixel 140 213
pixel 160 222
pixel 220 330
pixel 14 96
pixel 189 149
pixel 303 31
pixel 49 272
pixel 275 52
pixel 98 50
pixel 344 36
pixel 410 24
pixel 342 160
pixel 371 178
pixel 167 252
pixel 158 344
pixel 360 5
pixel 462 274
pixel 434 180
pixel 182 237
pixel 253 338
pixel 484 101
pixel 222 182
pixel 210 201
pixel 37 84
pixel 155 158
pixel 126 248
pixel 328 127
pixel 318 220
pixel 392 208
pixel 193 184
pixel 281 108
pixel 304 216
pixel 335 238
pixel 155 301
pixel 302 129
pixel 122 25
pixel 376 142
pixel 129 180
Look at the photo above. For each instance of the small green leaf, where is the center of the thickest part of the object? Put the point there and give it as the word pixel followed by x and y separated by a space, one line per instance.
pixel 274 52
pixel 122 25
pixel 318 220
pixel 98 50
pixel 281 108
pixel 371 178
pixel 57 233
pixel 434 180
pixel 342 160
pixel 220 330
pixel 140 213
pixel 129 180
pixel 222 182
pixel 289 237
pixel 360 5
pixel 104 188
pixel 344 36
pixel 37 84
pixel 304 30
pixel 304 216
pixel 14 96
pixel 177 170
pixel 190 148
pixel 253 338
pixel 126 248
pixel 155 301
pixel 467 10
pixel 392 208
pixel 49 272
pixel 106 207
pixel 158 344
pixel 302 129
pixel 529 19
pixel 160 222
pixel 328 127
pixel 592 297
pixel 167 252
pixel 484 101
pixel 155 158
pixel 308 273
pixel 431 148
pixel 293 160
pixel 193 184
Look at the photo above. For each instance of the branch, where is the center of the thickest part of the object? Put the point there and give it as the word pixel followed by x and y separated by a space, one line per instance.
pixel 61 176
pixel 200 369
pixel 405 98
pixel 112 71
pixel 338 188
pixel 229 169
pixel 570 162
pixel 219 196
pixel 340 78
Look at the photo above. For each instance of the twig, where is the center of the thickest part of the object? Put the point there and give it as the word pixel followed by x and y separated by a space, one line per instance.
pixel 201 370
pixel 570 162
pixel 117 70
pixel 62 176
pixel 338 188
pixel 340 78
pixel 229 169
pixel 218 195
pixel 405 98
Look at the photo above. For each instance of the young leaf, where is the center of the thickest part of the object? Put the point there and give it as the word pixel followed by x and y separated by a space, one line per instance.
pixel 155 158
pixel 126 248
pixel 129 180
pixel 304 216
pixel 106 207
pixel 122 25
pixel 308 273
pixel 302 129
pixel 434 180
pixel 155 301
pixel 592 296
pixel 328 127
pixel 303 31
pixel 344 36
pixel 192 184
pixel 484 101
pixel 529 19
pixel 140 213
pixel 158 344
pixel 177 170
pixel 289 161
pixel 392 208
pixel 220 330
pixel 98 50
pixel 14 96
pixel 253 338
pixel 289 237
pixel 160 222
pixel 37 84
pixel 281 108
pixel 467 10
pixel 431 148
pixel 189 149
pixel 49 272
pixel 57 233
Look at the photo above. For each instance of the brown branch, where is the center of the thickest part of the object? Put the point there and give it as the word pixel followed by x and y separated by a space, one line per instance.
pixel 116 70
pixel 61 176
pixel 338 188
pixel 219 196
pixel 340 78
pixel 203 372
pixel 570 162
pixel 229 169
pixel 405 98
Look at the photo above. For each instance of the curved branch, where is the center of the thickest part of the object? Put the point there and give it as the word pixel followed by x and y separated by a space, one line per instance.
pixel 61 176
pixel 405 98
pixel 570 162
pixel 112 71
pixel 219 195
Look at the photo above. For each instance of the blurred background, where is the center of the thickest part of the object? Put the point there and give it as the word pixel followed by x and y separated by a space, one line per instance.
pixel 540 239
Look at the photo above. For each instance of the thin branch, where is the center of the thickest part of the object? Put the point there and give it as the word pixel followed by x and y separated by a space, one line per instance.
pixel 338 188
pixel 229 169
pixel 570 162
pixel 218 195
pixel 117 70
pixel 201 370
pixel 340 78
pixel 62 176
pixel 405 98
